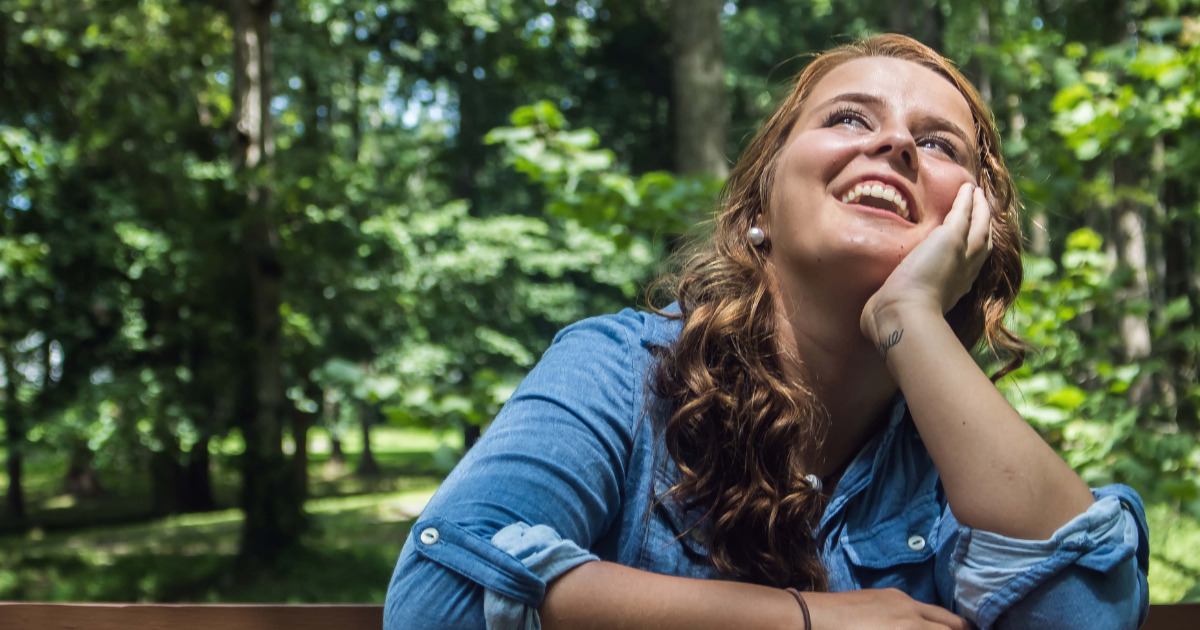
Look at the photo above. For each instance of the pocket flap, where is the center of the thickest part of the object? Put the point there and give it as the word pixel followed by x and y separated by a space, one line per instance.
pixel 906 538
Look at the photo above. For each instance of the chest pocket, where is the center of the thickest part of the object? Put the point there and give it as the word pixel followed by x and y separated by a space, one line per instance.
pixel 898 552
pixel 666 549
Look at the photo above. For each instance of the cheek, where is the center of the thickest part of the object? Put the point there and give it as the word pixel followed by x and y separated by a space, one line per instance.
pixel 942 188
pixel 818 155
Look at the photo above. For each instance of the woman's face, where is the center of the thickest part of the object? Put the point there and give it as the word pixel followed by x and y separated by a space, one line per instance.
pixel 870 168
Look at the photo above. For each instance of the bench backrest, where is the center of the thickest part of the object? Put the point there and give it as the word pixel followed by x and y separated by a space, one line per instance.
pixel 26 616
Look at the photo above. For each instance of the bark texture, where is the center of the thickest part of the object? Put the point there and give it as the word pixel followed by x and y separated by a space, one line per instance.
pixel 367 466
pixel 698 99
pixel 274 513
pixel 1132 262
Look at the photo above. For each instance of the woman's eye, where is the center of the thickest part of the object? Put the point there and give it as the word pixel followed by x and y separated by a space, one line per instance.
pixel 848 118
pixel 939 144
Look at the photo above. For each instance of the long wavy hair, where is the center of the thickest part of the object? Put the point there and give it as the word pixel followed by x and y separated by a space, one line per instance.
pixel 736 425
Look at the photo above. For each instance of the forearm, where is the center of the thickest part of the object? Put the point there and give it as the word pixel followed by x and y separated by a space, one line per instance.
pixel 999 475
pixel 607 595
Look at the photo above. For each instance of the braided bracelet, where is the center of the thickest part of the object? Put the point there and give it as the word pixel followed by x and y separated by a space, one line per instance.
pixel 803 607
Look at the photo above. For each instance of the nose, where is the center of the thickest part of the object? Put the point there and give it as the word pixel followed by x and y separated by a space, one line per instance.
pixel 896 144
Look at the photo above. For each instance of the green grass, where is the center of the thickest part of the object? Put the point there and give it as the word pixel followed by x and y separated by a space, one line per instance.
pixel 106 548
pixel 348 557
pixel 405 456
pixel 359 526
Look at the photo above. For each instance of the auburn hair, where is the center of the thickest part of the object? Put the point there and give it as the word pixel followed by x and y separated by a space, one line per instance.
pixel 736 425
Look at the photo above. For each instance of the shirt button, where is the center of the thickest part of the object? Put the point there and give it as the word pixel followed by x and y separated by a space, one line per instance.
pixel 698 536
pixel 916 543
pixel 430 536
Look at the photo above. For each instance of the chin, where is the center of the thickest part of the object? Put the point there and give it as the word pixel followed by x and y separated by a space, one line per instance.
pixel 859 270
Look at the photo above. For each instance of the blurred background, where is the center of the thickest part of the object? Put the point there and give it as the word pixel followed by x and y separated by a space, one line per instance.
pixel 268 268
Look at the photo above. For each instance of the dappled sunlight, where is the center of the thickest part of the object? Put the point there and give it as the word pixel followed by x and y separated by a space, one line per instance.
pixel 60 502
pixel 310 273
pixel 197 569
pixel 354 543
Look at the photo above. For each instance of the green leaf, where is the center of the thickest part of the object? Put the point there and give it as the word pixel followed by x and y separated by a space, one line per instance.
pixel 1085 239
pixel 1178 310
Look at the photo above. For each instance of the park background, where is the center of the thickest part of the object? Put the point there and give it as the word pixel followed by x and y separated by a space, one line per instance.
pixel 267 268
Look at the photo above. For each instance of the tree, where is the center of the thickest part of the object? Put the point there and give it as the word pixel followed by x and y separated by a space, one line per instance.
pixel 270 498
pixel 698 99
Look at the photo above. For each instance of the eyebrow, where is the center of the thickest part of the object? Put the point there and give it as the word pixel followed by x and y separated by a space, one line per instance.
pixel 936 123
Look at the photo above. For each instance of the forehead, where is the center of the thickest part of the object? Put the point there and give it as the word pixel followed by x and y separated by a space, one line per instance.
pixel 902 84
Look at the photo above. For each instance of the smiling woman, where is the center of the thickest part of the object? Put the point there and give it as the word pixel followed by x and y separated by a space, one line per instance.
pixel 801 440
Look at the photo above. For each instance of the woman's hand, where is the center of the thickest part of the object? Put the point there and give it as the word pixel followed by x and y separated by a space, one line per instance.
pixel 938 271
pixel 878 608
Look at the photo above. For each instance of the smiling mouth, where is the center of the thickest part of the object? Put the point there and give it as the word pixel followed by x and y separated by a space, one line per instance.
pixel 878 195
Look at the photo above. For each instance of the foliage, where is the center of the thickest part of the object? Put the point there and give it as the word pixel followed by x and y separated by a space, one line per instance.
pixel 454 182
pixel 1076 393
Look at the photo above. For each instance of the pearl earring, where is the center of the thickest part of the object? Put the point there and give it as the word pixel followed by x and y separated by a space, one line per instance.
pixel 815 482
pixel 757 236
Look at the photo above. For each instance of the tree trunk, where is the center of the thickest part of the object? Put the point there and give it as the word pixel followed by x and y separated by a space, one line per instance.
pixel 471 433
pixel 1130 231
pixel 14 433
pixel 1157 263
pixel 166 476
pixel 698 105
pixel 356 72
pixel 196 491
pixel 1039 228
pixel 983 31
pixel 274 513
pixel 933 26
pixel 367 466
pixel 1179 261
pixel 900 17
pixel 82 480
pixel 301 423
pixel 332 414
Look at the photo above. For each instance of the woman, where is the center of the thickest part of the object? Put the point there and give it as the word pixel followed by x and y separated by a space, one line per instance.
pixel 807 415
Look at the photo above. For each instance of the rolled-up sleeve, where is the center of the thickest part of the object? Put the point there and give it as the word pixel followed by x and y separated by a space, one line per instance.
pixel 546 555
pixel 532 496
pixel 1091 573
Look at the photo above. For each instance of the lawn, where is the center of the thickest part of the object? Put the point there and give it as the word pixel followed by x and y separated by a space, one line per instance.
pixel 359 527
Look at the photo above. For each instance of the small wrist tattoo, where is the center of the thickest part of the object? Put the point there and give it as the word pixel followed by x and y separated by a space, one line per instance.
pixel 890 342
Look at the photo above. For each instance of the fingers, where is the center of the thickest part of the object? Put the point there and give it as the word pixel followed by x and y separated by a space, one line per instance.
pixel 979 238
pixel 959 218
pixel 944 617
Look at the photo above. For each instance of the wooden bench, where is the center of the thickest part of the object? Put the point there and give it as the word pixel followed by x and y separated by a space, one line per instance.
pixel 27 616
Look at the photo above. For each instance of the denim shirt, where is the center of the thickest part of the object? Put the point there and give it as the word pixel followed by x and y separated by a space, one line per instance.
pixel 569 470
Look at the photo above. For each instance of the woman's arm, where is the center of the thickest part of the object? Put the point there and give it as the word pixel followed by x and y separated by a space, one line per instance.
pixel 605 595
pixel 999 475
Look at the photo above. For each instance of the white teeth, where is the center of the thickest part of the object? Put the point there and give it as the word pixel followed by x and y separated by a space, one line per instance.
pixel 880 191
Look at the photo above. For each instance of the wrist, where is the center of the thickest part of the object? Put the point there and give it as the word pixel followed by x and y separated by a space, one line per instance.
pixel 883 324
pixel 805 618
